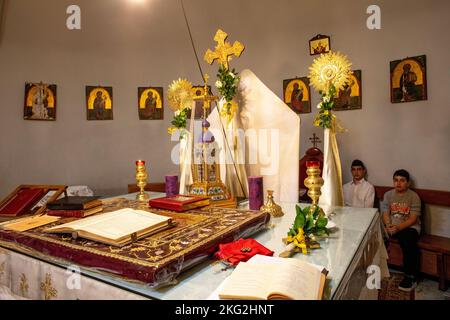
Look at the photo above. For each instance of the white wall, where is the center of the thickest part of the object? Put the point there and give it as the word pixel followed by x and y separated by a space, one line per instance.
pixel 126 45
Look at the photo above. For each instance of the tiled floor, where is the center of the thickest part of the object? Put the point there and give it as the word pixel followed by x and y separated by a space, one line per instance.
pixel 427 289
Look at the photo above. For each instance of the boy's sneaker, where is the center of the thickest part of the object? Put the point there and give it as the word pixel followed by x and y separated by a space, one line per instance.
pixel 407 284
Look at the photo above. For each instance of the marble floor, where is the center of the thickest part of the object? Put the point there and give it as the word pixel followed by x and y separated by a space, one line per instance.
pixel 427 289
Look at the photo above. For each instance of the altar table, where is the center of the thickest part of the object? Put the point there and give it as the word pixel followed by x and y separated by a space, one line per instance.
pixel 347 254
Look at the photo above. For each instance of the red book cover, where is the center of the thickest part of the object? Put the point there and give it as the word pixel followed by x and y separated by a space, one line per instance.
pixel 179 202
pixel 20 202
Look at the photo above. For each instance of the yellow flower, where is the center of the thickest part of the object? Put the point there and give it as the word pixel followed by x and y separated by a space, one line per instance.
pixel 171 130
pixel 228 110
pixel 299 240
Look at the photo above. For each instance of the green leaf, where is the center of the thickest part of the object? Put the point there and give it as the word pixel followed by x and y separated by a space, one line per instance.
pixel 309 223
pixel 316 212
pixel 299 221
pixel 322 222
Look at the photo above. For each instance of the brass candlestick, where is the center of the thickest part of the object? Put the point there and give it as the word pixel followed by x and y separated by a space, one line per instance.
pixel 313 182
pixel 141 178
pixel 271 207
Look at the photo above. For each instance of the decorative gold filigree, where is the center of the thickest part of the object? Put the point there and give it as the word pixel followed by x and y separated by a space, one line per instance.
pixel 24 285
pixel 180 95
pixel 47 288
pixel 271 207
pixel 332 68
pixel 213 218
pixel 224 50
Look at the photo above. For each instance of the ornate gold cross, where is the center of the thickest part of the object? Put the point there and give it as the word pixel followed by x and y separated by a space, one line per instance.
pixel 223 51
pixel 206 97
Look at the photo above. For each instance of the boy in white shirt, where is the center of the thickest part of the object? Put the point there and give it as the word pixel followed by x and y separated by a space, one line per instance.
pixel 359 193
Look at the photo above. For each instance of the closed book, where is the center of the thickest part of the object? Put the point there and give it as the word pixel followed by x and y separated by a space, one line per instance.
pixel 179 203
pixel 74 203
pixel 74 213
pixel 23 200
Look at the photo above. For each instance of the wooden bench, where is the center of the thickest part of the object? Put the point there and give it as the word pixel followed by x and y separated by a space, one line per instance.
pixel 434 250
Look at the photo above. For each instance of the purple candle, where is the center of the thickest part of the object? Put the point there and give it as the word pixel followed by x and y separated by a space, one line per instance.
pixel 172 187
pixel 256 193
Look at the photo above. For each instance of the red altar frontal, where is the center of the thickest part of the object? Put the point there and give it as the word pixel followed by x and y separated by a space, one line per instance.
pixel 156 260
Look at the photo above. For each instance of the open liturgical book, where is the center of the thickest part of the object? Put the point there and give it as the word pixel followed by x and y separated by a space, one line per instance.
pixel 116 228
pixel 270 278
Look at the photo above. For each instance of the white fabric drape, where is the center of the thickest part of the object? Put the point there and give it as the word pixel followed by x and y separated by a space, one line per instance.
pixel 332 195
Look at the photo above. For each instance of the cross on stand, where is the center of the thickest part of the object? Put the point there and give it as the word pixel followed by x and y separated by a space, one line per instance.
pixel 223 51
pixel 315 140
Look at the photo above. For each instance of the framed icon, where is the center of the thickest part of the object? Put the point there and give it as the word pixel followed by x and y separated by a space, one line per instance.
pixel 151 103
pixel 319 44
pixel 408 79
pixel 297 94
pixel 350 98
pixel 40 101
pixel 99 103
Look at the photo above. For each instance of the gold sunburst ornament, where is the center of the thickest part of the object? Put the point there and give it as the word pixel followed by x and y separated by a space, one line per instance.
pixel 180 95
pixel 180 98
pixel 328 74
pixel 332 68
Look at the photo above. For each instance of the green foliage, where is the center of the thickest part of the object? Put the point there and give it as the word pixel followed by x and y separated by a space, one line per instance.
pixel 179 120
pixel 312 224
pixel 227 83
pixel 325 117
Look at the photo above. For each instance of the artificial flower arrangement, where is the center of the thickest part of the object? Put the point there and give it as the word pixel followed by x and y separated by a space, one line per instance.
pixel 328 74
pixel 227 84
pixel 180 97
pixel 307 228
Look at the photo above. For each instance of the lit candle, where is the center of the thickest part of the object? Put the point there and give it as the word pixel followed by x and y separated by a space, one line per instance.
pixel 312 164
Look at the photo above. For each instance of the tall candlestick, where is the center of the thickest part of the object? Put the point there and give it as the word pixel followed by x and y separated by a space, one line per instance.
pixel 141 178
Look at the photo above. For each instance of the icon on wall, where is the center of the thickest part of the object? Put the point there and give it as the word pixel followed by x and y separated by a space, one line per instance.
pixel 99 103
pixel 349 98
pixel 408 79
pixel 151 103
pixel 296 94
pixel 319 44
pixel 40 101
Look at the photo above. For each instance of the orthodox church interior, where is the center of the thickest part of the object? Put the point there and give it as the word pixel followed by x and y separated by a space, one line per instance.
pixel 201 140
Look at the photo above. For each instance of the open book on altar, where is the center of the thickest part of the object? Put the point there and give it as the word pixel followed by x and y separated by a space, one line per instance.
pixel 269 278
pixel 116 228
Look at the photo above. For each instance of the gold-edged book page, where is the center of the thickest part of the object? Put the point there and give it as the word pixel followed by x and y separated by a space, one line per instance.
pixel 247 282
pixel 28 223
pixel 116 227
pixel 274 278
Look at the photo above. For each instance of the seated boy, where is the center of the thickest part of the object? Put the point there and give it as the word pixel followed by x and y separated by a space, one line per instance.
pixel 358 193
pixel 401 211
